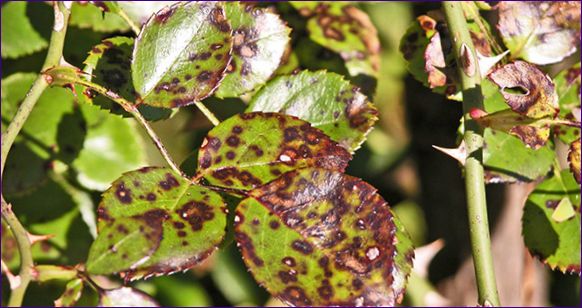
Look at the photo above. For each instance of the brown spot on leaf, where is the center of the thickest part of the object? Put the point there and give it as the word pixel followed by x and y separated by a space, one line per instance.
pixel 163 15
pixel 302 246
pixel 123 194
pixel 195 214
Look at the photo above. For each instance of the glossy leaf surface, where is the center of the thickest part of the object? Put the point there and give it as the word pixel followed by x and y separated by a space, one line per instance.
pixel 250 149
pixel 125 297
pixel 176 56
pixel 259 41
pixel 323 99
pixel 318 237
pixel 554 241
pixel 153 222
pixel 540 32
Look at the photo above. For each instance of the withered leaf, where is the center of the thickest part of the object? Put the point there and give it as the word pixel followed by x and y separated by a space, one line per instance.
pixel 574 159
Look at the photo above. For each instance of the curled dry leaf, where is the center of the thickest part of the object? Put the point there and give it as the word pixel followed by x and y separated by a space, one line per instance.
pixel 540 32
pixel 346 30
pixel 316 237
pixel 153 222
pixel 181 54
pixel 574 159
pixel 540 98
pixel 251 149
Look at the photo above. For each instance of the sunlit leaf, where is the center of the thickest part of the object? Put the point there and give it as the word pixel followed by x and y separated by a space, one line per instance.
pixel 250 149
pixel 323 99
pixel 347 31
pixel 322 238
pixel 176 56
pixel 556 243
pixel 125 297
pixel 152 222
pixel 568 89
pixel 534 133
pixel 87 16
pixel 259 40
pixel 108 65
pixel 526 89
pixel 72 293
pixel 140 11
pixel 19 38
pixel 574 159
pixel 540 32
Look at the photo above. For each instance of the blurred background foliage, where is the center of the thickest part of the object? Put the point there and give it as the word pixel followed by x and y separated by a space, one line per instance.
pixel 424 186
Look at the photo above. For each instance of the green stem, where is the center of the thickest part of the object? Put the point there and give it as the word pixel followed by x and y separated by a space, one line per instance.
pixel 132 109
pixel 53 58
pixel 209 115
pixel 474 180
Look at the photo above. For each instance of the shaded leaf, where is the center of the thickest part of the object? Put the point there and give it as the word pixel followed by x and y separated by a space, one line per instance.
pixel 568 89
pixel 539 98
pixel 86 16
pixel 574 159
pixel 555 243
pixel 19 38
pixel 175 58
pixel 250 149
pixel 322 238
pixel 499 158
pixel 259 41
pixel 323 99
pixel 153 222
pixel 347 31
pixel 125 297
pixel 108 65
pixel 72 293
pixel 540 32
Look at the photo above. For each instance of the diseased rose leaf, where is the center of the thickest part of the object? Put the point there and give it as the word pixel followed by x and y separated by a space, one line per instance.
pixel 540 32
pixel 534 133
pixel 73 291
pixel 568 89
pixel 175 59
pixel 125 297
pixel 539 98
pixel 87 16
pixel 556 243
pixel 325 100
pixel 289 62
pixel 347 31
pixel 316 237
pixel 259 41
pixel 574 159
pixel 251 149
pixel 19 38
pixel 140 11
pixel 108 64
pixel 499 158
pixel 153 222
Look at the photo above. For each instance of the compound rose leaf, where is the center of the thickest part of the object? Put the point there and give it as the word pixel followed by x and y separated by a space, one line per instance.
pixel 153 222
pixel 550 231
pixel 181 54
pixel 325 100
pixel 526 89
pixel 259 41
pixel 316 237
pixel 540 32
pixel 251 149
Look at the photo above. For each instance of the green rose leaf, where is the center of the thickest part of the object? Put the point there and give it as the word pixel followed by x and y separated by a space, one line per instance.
pixel 551 229
pixel 140 12
pixel 347 31
pixel 19 38
pixel 251 149
pixel 86 16
pixel 568 89
pixel 574 159
pixel 542 32
pixel 125 297
pixel 108 64
pixel 153 222
pixel 323 99
pixel 73 291
pixel 259 41
pixel 181 54
pixel 316 237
